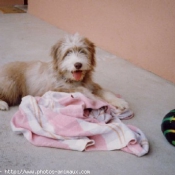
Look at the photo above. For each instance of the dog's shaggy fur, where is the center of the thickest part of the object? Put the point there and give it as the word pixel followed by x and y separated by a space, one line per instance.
pixel 70 70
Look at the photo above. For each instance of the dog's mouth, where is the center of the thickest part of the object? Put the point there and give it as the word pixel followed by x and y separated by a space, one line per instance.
pixel 78 74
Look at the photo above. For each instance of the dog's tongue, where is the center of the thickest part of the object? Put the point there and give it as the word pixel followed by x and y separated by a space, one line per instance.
pixel 77 75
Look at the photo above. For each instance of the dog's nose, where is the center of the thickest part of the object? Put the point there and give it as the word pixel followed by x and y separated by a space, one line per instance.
pixel 78 65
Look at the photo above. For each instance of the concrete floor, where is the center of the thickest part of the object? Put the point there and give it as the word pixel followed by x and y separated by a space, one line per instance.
pixel 24 37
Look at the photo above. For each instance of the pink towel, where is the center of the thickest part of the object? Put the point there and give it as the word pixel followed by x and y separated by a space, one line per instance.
pixel 73 121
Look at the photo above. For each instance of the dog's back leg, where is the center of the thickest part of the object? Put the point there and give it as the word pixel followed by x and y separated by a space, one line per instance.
pixel 12 84
pixel 10 94
pixel 3 105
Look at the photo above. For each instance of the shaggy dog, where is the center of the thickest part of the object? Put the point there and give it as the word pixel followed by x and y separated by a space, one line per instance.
pixel 70 71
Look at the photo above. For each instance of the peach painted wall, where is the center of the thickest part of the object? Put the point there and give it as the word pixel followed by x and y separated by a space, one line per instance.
pixel 140 31
pixel 11 2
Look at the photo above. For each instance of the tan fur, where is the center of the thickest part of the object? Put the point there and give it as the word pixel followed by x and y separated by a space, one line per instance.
pixel 19 79
pixel 12 83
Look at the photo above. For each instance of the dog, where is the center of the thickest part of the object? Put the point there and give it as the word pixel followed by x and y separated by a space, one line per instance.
pixel 70 70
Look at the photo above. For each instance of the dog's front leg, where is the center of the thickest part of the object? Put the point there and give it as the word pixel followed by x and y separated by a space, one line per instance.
pixel 112 99
pixel 87 92
pixel 81 89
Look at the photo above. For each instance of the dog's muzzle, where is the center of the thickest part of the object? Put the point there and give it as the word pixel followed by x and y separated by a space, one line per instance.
pixel 78 65
pixel 77 74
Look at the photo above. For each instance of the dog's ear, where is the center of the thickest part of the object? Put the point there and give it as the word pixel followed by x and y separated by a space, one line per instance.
pixel 91 48
pixel 93 59
pixel 56 53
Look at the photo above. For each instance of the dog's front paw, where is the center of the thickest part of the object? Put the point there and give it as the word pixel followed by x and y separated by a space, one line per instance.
pixel 120 104
pixel 3 106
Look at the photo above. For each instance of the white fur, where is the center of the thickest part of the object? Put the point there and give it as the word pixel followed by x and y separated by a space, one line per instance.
pixel 44 79
pixel 113 100
pixel 72 41
pixel 72 58
pixel 3 105
pixel 36 78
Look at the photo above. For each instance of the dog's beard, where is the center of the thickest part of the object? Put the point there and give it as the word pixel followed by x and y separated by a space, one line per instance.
pixel 73 75
pixel 78 75
pixel 69 70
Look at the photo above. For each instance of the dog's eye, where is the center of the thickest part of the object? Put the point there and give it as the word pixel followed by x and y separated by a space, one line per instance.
pixel 68 52
pixel 82 52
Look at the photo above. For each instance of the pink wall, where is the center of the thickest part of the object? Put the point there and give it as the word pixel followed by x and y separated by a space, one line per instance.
pixel 141 31
pixel 11 2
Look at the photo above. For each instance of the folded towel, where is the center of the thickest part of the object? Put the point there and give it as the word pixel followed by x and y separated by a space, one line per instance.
pixel 73 121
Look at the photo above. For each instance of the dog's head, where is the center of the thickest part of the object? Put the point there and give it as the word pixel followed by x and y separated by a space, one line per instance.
pixel 74 57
